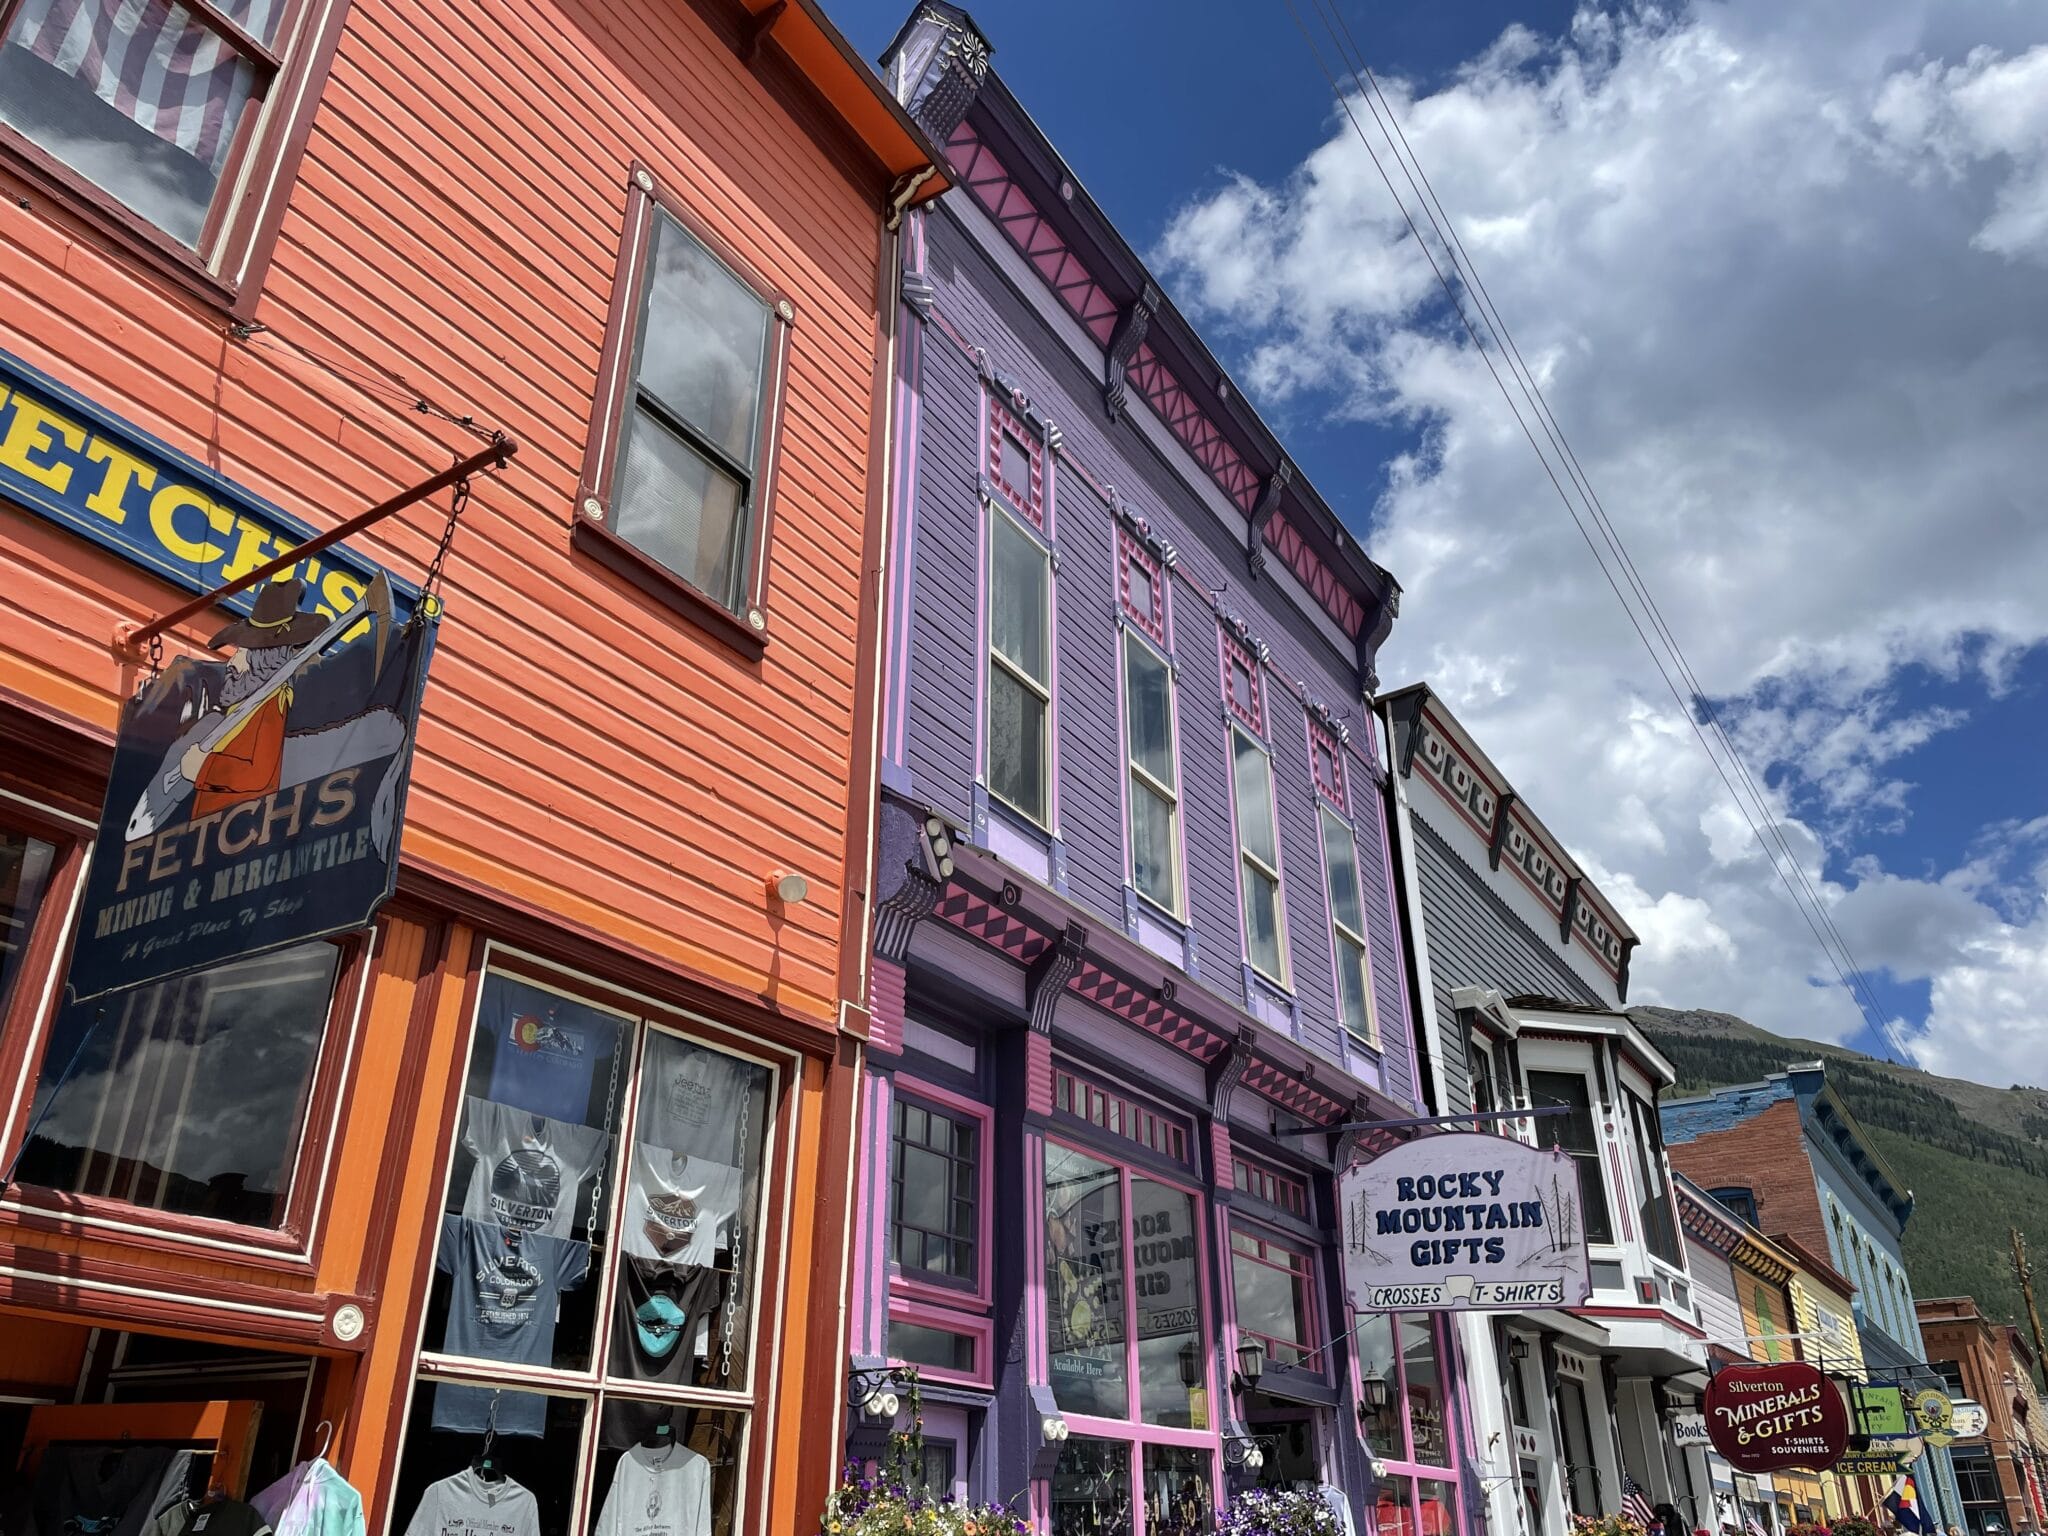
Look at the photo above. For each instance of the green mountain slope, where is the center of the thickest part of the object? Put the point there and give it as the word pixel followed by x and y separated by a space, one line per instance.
pixel 1976 1158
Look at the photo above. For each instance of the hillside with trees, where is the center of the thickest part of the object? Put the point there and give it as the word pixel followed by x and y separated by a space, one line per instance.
pixel 1976 1158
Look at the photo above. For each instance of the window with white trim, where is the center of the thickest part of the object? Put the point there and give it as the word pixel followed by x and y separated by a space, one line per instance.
pixel 1153 775
pixel 1019 667
pixel 1347 930
pixel 1258 858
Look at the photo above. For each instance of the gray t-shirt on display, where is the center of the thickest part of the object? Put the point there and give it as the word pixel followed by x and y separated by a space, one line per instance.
pixel 505 1297
pixel 528 1168
pixel 658 1491
pixel 467 1505
pixel 678 1208
pixel 692 1103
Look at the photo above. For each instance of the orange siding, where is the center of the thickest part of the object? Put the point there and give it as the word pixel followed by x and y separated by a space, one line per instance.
pixel 456 222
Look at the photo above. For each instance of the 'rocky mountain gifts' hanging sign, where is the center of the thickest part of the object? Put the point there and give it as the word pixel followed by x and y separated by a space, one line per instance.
pixel 1464 1221
pixel 255 803
pixel 1768 1418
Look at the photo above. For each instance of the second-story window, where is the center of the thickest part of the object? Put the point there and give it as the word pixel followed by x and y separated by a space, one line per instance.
pixel 1660 1229
pixel 1258 861
pixel 679 475
pixel 1576 1133
pixel 1019 667
pixel 1479 1067
pixel 1243 692
pixel 173 116
pixel 1016 462
pixel 1153 777
pixel 1326 760
pixel 1347 930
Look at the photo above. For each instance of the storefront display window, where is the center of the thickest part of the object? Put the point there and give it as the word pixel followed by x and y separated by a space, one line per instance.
pixel 190 1095
pixel 600 1255
pixel 1124 1303
pixel 1275 1297
pixel 1411 1433
pixel 25 864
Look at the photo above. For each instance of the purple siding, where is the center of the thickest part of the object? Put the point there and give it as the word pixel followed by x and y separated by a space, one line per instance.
pixel 977 303
pixel 945 632
pixel 1091 768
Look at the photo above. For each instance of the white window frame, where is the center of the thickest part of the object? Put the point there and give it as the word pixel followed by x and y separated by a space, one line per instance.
pixel 1248 862
pixel 1136 776
pixel 1330 822
pixel 1042 818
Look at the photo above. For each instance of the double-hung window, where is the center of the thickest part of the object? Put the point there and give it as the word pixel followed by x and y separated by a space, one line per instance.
pixel 1154 776
pixel 681 466
pixel 1347 929
pixel 1575 1132
pixel 1019 667
pixel 1258 858
pixel 166 122
pixel 1274 1284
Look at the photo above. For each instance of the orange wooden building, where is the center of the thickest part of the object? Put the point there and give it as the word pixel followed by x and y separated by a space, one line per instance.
pixel 263 264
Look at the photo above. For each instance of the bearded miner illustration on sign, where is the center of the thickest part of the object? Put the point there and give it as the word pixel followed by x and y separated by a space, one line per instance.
pixel 240 743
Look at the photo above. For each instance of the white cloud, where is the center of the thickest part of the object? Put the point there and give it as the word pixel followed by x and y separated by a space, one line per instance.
pixel 1779 270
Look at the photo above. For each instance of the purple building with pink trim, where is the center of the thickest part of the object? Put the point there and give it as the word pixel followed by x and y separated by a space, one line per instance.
pixel 1137 957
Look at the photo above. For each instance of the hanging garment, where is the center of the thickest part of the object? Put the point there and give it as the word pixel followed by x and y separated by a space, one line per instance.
pixel 529 1168
pixel 506 1297
pixel 468 1505
pixel 546 1048
pixel 679 1210
pixel 662 1321
pixel 211 1517
pixel 107 1490
pixel 657 1491
pixel 312 1500
pixel 693 1099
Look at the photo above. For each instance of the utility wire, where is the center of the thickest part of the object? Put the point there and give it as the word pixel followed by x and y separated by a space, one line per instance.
pixel 1462 263
pixel 1810 908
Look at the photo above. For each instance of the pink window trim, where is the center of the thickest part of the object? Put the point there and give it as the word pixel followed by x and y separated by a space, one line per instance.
pixel 981 1329
pixel 1029 500
pixel 1307 1273
pixel 1131 1431
pixel 930 1096
pixel 1321 741
pixel 1130 553
pixel 1401 1466
pixel 1260 1175
pixel 1123 1115
pixel 1234 653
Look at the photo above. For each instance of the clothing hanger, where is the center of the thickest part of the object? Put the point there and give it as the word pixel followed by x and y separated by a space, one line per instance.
pixel 326 1432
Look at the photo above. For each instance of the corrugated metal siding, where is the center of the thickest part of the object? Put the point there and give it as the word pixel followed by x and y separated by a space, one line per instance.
pixel 978 302
pixel 1091 766
pixel 1474 941
pixel 456 221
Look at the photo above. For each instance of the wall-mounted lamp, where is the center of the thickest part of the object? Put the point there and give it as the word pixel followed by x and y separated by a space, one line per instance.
pixel 937 847
pixel 1245 1451
pixel 1251 1365
pixel 1053 1429
pixel 1190 1365
pixel 1518 1347
pixel 1376 1394
pixel 872 1389
pixel 787 888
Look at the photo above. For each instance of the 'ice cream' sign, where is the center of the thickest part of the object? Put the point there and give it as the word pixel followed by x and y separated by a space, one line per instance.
pixel 1464 1220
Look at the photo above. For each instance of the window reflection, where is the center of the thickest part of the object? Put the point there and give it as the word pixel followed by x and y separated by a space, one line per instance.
pixel 1425 1398
pixel 1167 1291
pixel 1084 1281
pixel 188 1095
pixel 1377 1363
pixel 1091 1489
pixel 24 876
pixel 1176 1491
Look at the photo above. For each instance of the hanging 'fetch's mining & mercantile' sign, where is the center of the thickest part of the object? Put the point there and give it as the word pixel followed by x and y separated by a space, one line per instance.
pixel 1464 1220
pixel 255 803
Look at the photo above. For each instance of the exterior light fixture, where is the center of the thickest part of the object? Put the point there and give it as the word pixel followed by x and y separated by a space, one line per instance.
pixel 788 889
pixel 1053 1429
pixel 937 847
pixel 1245 1452
pixel 1518 1347
pixel 872 1389
pixel 1251 1365
pixel 1190 1365
pixel 1376 1394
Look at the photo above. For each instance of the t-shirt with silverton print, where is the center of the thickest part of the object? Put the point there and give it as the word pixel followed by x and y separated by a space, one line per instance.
pixel 529 1170
pixel 678 1209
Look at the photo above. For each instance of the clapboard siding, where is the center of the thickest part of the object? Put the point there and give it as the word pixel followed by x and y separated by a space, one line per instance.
pixel 978 306
pixel 455 223
pixel 1474 941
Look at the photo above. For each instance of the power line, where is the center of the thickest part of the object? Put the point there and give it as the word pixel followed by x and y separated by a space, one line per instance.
pixel 1463 264
pixel 1812 910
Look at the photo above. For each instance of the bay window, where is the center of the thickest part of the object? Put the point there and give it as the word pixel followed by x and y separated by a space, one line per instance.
pixel 1577 1134
pixel 1258 862
pixel 1347 930
pixel 1019 668
pixel 1153 778
pixel 1660 1230
pixel 1126 1352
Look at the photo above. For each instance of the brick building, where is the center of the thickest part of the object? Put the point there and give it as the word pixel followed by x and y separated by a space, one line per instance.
pixel 1999 1473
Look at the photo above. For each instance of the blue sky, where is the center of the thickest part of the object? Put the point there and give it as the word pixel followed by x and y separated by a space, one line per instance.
pixel 1784 271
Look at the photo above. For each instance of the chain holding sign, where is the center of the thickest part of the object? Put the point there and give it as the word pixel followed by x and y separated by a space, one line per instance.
pixel 1464 1220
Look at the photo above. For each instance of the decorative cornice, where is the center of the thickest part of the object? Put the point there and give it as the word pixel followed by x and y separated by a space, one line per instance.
pixel 1124 342
pixel 1226 1072
pixel 1326 720
pixel 1240 630
pixel 1046 978
pixel 1263 515
pixel 1140 529
pixel 897 915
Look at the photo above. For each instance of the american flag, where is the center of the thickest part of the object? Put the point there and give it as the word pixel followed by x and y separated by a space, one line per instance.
pixel 153 61
pixel 1635 1504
